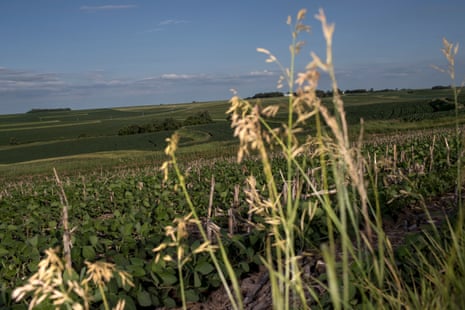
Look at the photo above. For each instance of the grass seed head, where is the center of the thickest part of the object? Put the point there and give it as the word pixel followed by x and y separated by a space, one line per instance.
pixel 301 15
pixel 99 272
pixel 172 144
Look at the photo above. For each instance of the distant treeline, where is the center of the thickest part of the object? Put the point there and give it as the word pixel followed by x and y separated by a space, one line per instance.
pixel 329 93
pixel 441 87
pixel 199 118
pixel 267 95
pixel 321 93
pixel 48 110
pixel 355 91
pixel 362 90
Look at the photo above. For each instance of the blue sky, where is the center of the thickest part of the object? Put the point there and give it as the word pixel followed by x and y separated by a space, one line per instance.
pixel 86 54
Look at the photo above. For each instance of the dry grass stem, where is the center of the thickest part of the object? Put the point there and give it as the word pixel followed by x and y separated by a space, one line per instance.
pixel 66 231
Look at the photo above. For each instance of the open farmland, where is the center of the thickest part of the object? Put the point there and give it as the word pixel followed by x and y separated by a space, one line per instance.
pixel 43 135
pixel 317 195
pixel 47 135
pixel 120 203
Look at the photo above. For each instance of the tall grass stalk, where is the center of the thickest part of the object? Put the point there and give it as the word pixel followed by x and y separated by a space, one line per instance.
pixel 361 264
pixel 234 295
pixel 354 261
pixel 281 210
pixel 336 159
pixel 283 215
pixel 456 257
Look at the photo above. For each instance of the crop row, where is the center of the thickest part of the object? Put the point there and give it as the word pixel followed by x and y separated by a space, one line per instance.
pixel 122 218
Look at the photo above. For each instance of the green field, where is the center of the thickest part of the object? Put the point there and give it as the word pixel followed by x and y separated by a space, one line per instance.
pixel 120 204
pixel 41 135
pixel 63 136
pixel 306 200
pixel 46 135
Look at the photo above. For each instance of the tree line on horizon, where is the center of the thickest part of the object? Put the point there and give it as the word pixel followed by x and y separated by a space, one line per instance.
pixel 329 93
pixel 49 110
pixel 202 117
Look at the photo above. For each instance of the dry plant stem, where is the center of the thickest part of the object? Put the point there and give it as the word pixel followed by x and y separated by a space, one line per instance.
pixel 210 207
pixel 431 153
pixel 181 282
pixel 66 231
pixel 289 266
pixel 448 152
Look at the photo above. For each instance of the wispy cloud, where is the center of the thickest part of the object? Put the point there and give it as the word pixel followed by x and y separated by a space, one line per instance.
pixel 14 80
pixel 173 76
pixel 166 23
pixel 173 22
pixel 99 78
pixel 31 89
pixel 262 73
pixel 108 7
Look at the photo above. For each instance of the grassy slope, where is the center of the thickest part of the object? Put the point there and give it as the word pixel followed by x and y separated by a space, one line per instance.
pixel 70 138
pixel 57 134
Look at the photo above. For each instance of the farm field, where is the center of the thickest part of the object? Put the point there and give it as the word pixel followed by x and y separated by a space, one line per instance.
pixel 129 180
pixel 62 136
pixel 120 202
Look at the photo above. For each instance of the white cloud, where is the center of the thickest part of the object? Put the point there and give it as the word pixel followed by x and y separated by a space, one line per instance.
pixel 173 76
pixel 109 7
pixel 98 77
pixel 173 22
pixel 24 90
pixel 262 73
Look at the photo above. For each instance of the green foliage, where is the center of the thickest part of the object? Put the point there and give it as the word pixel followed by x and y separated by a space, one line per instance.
pixel 14 141
pixel 122 218
pixel 67 133
pixel 268 95
pixel 49 110
pixel 442 104
pixel 168 124
pixel 45 135
pixel 202 117
pixel 125 218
